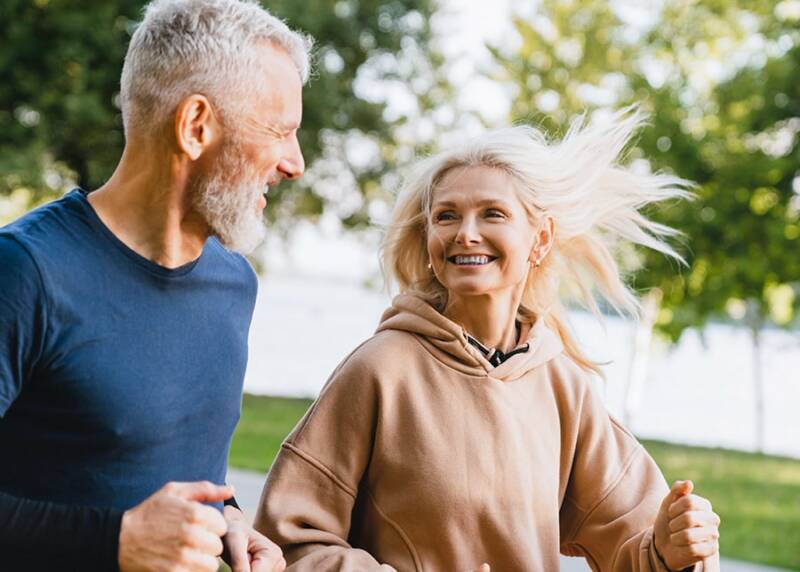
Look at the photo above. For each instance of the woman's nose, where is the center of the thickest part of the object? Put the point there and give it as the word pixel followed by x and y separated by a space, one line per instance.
pixel 468 232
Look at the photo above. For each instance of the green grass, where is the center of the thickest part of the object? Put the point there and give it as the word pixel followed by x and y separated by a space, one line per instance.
pixel 264 424
pixel 757 496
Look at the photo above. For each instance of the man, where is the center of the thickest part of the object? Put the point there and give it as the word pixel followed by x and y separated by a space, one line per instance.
pixel 124 312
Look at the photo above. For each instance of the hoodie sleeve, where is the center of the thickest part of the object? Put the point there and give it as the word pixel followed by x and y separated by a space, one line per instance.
pixel 312 487
pixel 613 495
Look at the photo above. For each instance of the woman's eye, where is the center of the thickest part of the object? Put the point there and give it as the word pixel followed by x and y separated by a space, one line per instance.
pixel 446 215
pixel 494 213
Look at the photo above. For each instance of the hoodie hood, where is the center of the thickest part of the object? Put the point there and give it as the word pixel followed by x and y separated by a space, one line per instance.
pixel 447 340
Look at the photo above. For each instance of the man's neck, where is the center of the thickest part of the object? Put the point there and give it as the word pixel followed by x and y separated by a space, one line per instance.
pixel 145 205
pixel 490 318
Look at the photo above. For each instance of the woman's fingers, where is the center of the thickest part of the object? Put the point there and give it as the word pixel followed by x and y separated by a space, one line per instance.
pixel 704 550
pixel 686 528
pixel 693 519
pixel 688 503
pixel 678 490
pixel 689 536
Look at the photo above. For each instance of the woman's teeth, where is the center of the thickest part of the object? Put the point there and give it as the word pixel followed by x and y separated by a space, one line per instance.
pixel 472 260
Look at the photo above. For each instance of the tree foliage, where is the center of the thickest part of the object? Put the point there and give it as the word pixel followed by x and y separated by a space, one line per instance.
pixel 719 81
pixel 61 61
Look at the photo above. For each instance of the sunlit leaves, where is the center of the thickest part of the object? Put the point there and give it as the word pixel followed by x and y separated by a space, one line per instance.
pixel 719 80
pixel 60 67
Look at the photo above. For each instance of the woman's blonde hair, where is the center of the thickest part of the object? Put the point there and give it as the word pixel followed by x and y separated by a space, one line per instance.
pixel 578 181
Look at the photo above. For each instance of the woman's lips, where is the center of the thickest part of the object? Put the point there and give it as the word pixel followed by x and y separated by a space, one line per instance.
pixel 471 259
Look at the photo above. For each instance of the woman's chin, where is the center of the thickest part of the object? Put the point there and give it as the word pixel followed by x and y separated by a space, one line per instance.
pixel 468 289
pixel 476 288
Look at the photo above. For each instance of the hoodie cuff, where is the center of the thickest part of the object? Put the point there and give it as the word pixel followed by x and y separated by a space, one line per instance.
pixel 657 562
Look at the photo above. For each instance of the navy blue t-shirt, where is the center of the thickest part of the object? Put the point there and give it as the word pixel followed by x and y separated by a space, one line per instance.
pixel 117 375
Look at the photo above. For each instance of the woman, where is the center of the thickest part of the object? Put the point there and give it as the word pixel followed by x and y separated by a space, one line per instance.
pixel 466 431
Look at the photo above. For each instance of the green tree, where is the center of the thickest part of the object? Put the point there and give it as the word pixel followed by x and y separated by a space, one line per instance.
pixel 60 67
pixel 719 80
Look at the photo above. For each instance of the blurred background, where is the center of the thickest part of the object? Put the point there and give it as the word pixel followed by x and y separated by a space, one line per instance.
pixel 709 376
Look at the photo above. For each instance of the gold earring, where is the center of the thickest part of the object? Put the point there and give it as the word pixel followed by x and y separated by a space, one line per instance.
pixel 430 265
pixel 537 263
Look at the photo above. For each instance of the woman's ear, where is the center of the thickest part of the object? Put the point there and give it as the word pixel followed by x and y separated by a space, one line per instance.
pixel 545 236
pixel 196 126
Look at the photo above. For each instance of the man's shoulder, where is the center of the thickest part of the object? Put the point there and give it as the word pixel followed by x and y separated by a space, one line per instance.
pixel 231 262
pixel 16 260
pixel 45 227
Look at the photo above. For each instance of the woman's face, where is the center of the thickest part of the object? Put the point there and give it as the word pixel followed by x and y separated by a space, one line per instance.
pixel 480 236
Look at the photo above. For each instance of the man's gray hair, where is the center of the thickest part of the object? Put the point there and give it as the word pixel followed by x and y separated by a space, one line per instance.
pixel 209 47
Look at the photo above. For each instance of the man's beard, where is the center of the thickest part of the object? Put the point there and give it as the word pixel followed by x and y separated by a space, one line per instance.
pixel 228 201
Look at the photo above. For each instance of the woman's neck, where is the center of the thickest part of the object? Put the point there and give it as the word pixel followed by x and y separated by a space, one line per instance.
pixel 490 318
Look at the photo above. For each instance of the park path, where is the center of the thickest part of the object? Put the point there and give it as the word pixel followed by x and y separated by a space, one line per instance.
pixel 248 486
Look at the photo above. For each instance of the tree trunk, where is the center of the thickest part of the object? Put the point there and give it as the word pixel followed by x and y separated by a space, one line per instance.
pixel 640 356
pixel 756 323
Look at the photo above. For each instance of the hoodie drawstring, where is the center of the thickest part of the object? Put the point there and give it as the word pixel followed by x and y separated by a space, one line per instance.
pixel 493 355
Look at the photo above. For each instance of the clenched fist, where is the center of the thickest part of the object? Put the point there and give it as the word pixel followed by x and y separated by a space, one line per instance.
pixel 686 529
pixel 172 531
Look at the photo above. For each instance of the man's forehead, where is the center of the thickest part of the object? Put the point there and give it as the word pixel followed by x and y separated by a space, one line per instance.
pixel 283 118
pixel 280 102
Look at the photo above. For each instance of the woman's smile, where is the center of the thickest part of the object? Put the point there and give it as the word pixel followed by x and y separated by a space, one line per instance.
pixel 471 260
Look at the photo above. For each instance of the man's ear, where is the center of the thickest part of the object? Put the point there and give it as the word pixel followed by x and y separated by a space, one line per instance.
pixel 196 126
pixel 544 240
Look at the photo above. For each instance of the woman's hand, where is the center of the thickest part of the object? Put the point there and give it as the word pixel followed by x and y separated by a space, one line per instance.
pixel 686 529
pixel 246 549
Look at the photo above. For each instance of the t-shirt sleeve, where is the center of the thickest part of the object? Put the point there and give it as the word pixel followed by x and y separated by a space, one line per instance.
pixel 35 535
pixel 22 319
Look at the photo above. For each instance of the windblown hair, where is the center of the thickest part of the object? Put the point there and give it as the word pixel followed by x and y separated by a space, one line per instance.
pixel 594 201
pixel 201 46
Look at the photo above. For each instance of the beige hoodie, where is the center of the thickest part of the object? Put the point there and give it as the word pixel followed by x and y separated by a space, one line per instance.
pixel 420 455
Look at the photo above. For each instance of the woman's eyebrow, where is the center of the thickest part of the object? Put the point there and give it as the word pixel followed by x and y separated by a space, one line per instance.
pixel 480 203
pixel 500 202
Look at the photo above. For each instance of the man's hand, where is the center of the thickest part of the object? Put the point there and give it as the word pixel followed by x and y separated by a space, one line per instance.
pixel 173 531
pixel 246 549
pixel 686 529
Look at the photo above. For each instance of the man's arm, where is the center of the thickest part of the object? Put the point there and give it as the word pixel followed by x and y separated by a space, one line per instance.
pixel 35 534
pixel 23 319
pixel 170 529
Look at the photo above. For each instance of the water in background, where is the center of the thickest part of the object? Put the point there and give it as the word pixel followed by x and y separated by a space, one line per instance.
pixel 303 327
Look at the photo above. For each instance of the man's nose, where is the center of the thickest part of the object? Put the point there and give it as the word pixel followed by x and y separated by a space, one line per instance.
pixel 292 165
